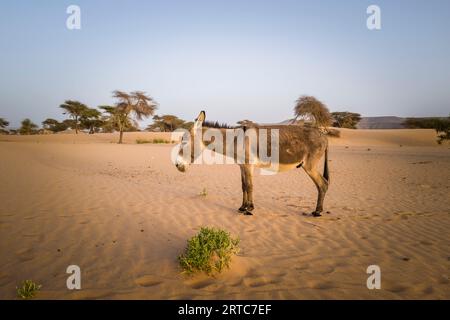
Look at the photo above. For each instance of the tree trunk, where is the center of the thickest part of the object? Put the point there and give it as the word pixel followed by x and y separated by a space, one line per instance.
pixel 76 125
pixel 121 135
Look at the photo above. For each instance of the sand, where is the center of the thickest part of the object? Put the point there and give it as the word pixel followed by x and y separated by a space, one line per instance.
pixel 123 214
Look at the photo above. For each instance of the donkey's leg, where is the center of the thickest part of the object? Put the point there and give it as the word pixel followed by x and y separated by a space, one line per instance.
pixel 321 184
pixel 243 207
pixel 248 171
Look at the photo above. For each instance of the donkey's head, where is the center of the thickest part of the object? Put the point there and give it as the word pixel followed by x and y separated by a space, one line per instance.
pixel 183 160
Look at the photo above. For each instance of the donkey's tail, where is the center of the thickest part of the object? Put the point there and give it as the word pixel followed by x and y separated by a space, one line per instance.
pixel 326 172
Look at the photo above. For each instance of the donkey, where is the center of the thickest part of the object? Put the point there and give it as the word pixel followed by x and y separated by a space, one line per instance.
pixel 298 147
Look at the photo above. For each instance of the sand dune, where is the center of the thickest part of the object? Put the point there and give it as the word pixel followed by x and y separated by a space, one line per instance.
pixel 123 213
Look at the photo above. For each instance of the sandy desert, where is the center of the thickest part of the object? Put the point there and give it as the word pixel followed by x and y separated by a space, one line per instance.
pixel 123 213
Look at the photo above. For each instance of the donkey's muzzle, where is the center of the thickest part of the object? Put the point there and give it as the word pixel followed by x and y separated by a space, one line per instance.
pixel 181 167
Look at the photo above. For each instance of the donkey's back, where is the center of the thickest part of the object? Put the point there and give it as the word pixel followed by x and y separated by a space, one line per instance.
pixel 297 144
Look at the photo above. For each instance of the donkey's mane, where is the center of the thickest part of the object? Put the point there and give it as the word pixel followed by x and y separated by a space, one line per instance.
pixel 216 125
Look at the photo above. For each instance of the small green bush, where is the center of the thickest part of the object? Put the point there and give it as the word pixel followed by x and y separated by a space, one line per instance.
pixel 203 193
pixel 142 141
pixel 209 251
pixel 160 141
pixel 28 289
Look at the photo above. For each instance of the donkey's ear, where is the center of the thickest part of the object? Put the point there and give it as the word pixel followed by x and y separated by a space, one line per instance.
pixel 201 117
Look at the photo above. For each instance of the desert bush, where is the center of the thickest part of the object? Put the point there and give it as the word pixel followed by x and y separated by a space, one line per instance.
pixel 203 193
pixel 209 251
pixel 28 289
pixel 159 140
pixel 142 141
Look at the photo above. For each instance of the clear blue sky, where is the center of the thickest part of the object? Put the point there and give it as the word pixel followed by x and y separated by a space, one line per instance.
pixel 235 59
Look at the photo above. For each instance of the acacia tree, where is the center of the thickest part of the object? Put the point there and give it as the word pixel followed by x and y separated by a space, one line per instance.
pixel 310 108
pixel 130 107
pixel 75 110
pixel 3 125
pixel 28 127
pixel 90 119
pixel 114 119
pixel 54 125
pixel 109 119
pixel 345 119
pixel 166 123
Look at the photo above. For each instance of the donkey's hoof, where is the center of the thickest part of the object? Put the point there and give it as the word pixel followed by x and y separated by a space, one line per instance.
pixel 316 214
pixel 248 213
pixel 250 207
pixel 242 209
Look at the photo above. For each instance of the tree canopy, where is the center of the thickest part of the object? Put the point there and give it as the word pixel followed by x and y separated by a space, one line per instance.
pixel 129 108
pixel 3 123
pixel 28 127
pixel 345 119
pixel 310 108
pixel 168 123
pixel 75 110
pixel 54 125
pixel 90 119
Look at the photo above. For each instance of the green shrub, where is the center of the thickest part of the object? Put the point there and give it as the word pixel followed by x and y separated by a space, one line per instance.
pixel 209 251
pixel 160 141
pixel 28 289
pixel 142 141
pixel 203 193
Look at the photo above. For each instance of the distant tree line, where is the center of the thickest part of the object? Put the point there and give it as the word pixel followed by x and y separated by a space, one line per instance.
pixel 440 125
pixel 122 116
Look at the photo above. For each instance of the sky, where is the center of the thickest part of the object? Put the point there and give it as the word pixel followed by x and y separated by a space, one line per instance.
pixel 234 59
